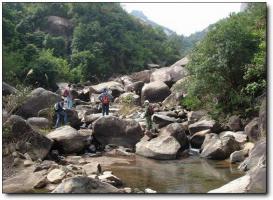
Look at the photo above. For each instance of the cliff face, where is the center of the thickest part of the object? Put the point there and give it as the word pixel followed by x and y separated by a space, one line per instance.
pixel 58 26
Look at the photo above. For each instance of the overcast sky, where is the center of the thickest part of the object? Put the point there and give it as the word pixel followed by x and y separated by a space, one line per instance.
pixel 184 18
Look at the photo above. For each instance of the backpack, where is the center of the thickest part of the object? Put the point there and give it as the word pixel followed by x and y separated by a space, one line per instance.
pixel 57 107
pixel 105 99
pixel 66 93
pixel 150 110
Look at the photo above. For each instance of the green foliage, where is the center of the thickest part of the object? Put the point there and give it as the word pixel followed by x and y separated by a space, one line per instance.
pixel 57 44
pixel 228 66
pixel 128 100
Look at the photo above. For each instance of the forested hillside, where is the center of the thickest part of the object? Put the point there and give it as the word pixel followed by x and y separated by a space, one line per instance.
pixel 48 42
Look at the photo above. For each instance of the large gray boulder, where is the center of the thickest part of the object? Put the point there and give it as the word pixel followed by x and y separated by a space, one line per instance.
pixel 161 148
pixel 69 140
pixel 59 26
pixel 143 76
pixel 112 130
pixel 258 152
pixel 173 99
pixel 27 140
pixel 39 122
pixel 239 136
pixel 204 125
pixel 197 139
pixel 115 87
pixel 163 120
pixel 136 87
pixel 195 116
pixel 82 184
pixel 37 100
pixel 7 89
pixel 169 75
pixel 216 148
pixel 181 85
pixel 252 130
pixel 155 91
pixel 235 123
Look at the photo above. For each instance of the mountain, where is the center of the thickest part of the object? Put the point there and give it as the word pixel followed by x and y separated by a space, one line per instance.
pixel 140 15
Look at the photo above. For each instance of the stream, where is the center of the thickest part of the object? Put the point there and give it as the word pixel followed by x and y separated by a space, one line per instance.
pixel 186 175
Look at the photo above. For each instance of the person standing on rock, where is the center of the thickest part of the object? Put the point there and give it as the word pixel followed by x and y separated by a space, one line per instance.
pixel 60 112
pixel 105 99
pixel 68 97
pixel 149 111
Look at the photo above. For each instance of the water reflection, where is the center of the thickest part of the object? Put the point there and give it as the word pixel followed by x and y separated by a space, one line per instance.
pixel 188 175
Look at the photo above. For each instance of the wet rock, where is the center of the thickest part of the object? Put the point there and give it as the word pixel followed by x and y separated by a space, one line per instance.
pixel 128 190
pixel 111 179
pixel 112 130
pixel 235 123
pixel 216 148
pixel 69 140
pixel 155 91
pixel 81 184
pixel 148 190
pixel 252 130
pixel 237 156
pixel 36 101
pixel 55 176
pixel 91 168
pixel 163 120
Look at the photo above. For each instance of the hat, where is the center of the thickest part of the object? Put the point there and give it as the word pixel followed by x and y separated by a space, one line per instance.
pixel 146 102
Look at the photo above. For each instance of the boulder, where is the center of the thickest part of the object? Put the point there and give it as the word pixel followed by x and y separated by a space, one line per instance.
pixel 82 184
pixel 203 125
pixel 177 131
pixel 115 87
pixel 237 156
pixel 112 130
pixel 111 179
pixel 235 123
pixel 262 118
pixel 163 120
pixel 73 118
pixel 55 175
pixel 129 98
pixel 252 130
pixel 136 87
pixel 197 139
pixel 143 76
pixel 161 148
pixel 155 91
pixel 255 154
pixel 37 100
pixel 169 75
pixel 239 136
pixel 92 117
pixel 195 116
pixel 7 89
pixel 69 140
pixel 91 168
pixel 27 140
pixel 59 26
pixel 181 85
pixel 216 148
pixel 39 122
pixel 173 99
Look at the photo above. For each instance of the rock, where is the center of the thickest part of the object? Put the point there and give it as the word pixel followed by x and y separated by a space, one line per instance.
pixel 148 190
pixel 155 91
pixel 169 75
pixel 198 138
pixel 81 184
pixel 237 156
pixel 69 140
pixel 36 101
pixel 216 148
pixel 143 76
pixel 91 168
pixel 161 147
pixel 181 85
pixel 248 147
pixel 136 86
pixel 129 98
pixel 128 190
pixel 112 130
pixel 55 176
pixel 239 136
pixel 163 120
pixel 177 131
pixel 262 118
pixel 17 161
pixel 92 117
pixel 252 130
pixel 195 116
pixel 111 179
pixel 28 140
pixel 27 156
pixel 235 123
pixel 255 154
pixel 45 165
pixel 39 122
pixel 7 89
pixel 59 26
pixel 115 87
pixel 28 163
pixel 173 99
pixel 40 183
pixel 73 118
pixel 203 125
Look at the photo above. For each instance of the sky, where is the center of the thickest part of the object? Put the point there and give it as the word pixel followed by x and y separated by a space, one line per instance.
pixel 184 18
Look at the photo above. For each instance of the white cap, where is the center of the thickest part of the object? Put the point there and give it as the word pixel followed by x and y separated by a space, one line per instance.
pixel 146 102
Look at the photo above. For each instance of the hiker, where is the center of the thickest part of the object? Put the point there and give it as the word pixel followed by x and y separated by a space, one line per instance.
pixel 68 97
pixel 60 112
pixel 149 111
pixel 105 99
